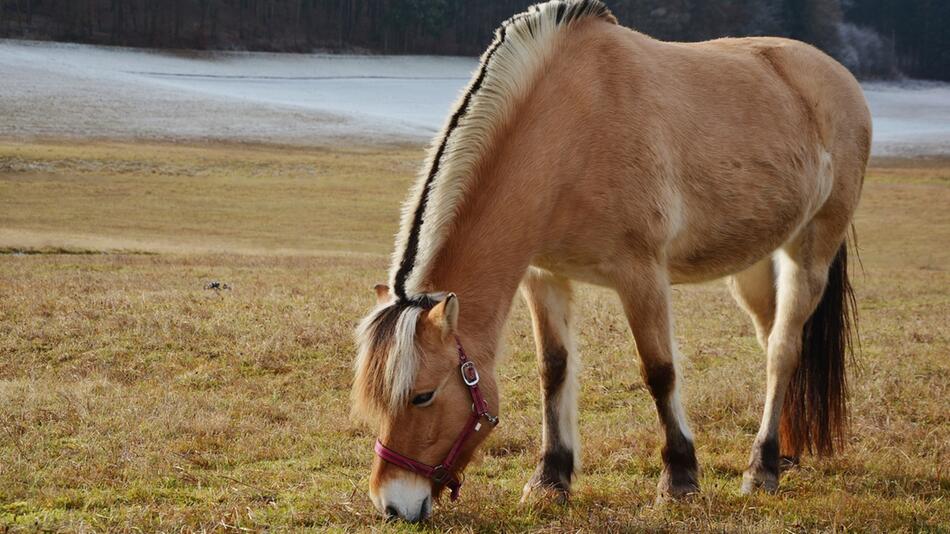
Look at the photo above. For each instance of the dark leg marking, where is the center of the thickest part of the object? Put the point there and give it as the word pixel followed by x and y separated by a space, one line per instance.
pixel 764 464
pixel 680 475
pixel 660 379
pixel 554 370
pixel 554 471
pixel 765 456
pixel 556 468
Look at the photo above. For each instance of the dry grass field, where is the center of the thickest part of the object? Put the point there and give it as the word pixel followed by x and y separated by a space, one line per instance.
pixel 133 399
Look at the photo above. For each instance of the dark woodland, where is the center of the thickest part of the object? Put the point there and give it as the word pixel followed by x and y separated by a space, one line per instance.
pixel 874 38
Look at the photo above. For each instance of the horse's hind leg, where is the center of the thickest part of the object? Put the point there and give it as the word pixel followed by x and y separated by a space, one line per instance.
pixel 549 300
pixel 802 275
pixel 754 290
pixel 646 301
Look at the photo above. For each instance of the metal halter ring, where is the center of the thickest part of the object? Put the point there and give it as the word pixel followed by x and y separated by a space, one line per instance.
pixel 469 374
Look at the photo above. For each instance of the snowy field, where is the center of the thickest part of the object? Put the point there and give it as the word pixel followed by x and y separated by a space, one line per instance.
pixel 51 89
pixel 66 90
pixel 910 118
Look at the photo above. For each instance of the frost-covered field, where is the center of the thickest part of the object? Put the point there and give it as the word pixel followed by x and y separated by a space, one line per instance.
pixel 50 89
pixel 910 118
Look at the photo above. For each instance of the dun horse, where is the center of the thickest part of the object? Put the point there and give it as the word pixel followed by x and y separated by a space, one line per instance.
pixel 582 150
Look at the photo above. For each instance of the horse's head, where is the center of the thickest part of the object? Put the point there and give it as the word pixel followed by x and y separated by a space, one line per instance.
pixel 415 382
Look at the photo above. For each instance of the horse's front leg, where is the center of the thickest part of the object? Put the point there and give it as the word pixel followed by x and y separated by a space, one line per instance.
pixel 646 301
pixel 549 299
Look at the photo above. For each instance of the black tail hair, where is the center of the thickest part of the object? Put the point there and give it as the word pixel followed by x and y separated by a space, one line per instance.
pixel 815 412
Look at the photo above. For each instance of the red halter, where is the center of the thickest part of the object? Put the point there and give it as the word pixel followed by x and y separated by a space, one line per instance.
pixel 444 474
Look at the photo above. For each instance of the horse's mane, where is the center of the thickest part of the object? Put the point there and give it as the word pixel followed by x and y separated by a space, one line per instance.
pixel 507 72
pixel 387 360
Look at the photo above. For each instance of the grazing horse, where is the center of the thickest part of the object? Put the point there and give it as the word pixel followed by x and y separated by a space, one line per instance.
pixel 582 150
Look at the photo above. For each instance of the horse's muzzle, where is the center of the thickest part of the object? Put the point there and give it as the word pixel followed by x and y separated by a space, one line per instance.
pixel 408 498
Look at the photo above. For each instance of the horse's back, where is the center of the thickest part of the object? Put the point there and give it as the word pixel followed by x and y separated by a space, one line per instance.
pixel 832 97
pixel 840 115
pixel 742 140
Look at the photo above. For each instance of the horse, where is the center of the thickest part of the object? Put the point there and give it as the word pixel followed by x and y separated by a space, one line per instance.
pixel 583 151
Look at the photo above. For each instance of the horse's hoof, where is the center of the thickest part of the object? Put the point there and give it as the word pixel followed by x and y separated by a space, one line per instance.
pixel 759 480
pixel 544 493
pixel 676 486
pixel 551 482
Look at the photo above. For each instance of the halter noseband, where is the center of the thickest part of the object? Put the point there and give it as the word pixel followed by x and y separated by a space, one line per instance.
pixel 444 474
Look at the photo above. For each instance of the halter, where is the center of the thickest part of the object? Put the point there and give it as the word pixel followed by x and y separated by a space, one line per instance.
pixel 444 474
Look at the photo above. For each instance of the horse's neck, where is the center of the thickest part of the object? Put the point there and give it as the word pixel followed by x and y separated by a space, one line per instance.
pixel 487 253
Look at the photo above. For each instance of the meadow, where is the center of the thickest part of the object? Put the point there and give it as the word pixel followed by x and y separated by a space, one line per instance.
pixel 132 398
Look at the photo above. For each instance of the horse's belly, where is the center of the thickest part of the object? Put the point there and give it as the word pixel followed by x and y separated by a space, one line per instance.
pixel 720 245
pixel 723 236
pixel 722 258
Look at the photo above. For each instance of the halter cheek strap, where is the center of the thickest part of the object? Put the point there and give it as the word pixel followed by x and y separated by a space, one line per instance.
pixel 445 474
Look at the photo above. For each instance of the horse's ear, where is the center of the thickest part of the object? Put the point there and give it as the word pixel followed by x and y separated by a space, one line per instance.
pixel 445 315
pixel 382 293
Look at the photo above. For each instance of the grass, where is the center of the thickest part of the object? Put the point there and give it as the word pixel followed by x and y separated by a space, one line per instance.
pixel 167 198
pixel 131 398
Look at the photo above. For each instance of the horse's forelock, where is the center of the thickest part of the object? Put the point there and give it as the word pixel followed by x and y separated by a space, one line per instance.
pixel 387 358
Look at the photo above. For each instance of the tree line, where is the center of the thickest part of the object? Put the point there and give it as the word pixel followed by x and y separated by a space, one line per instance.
pixel 878 38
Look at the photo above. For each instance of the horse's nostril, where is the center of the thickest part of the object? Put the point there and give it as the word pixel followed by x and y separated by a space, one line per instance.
pixel 424 509
pixel 391 512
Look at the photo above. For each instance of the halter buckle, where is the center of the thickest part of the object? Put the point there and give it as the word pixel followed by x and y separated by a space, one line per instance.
pixel 469 374
pixel 440 475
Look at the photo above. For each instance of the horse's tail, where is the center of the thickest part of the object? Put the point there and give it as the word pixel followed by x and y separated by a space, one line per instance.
pixel 815 412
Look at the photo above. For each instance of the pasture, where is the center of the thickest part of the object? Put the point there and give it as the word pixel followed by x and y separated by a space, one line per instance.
pixel 132 398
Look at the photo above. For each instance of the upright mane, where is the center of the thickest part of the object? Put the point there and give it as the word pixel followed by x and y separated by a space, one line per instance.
pixel 508 70
pixel 387 359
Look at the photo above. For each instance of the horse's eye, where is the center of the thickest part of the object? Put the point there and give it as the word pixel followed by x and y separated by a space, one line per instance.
pixel 422 398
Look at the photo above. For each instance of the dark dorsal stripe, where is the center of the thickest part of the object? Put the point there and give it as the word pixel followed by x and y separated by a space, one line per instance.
pixel 560 12
pixel 412 245
pixel 566 12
